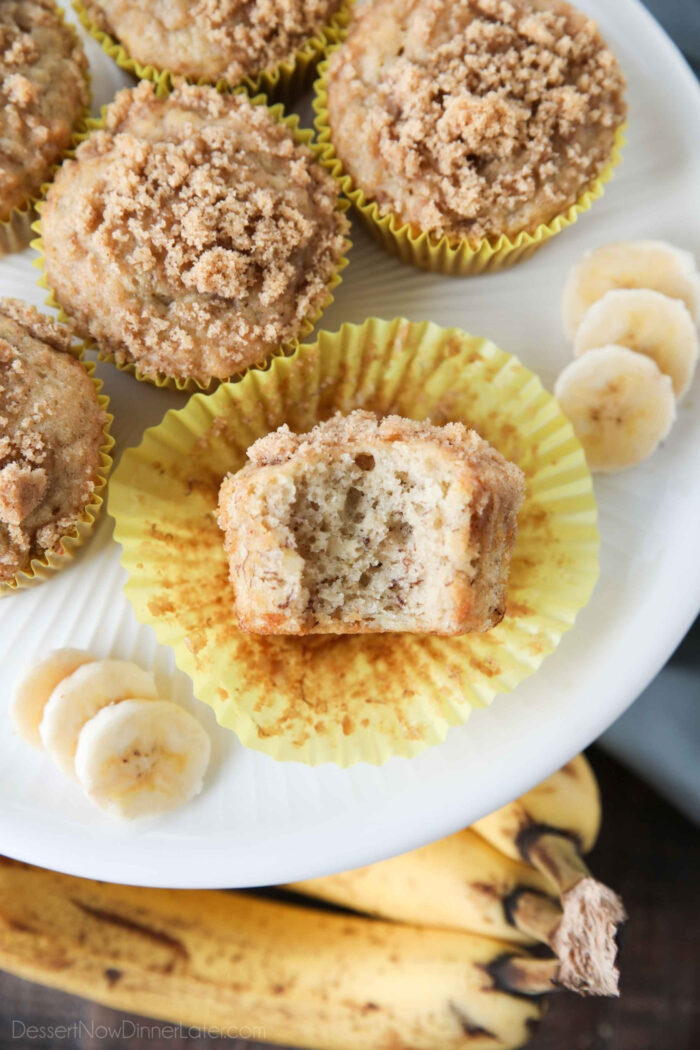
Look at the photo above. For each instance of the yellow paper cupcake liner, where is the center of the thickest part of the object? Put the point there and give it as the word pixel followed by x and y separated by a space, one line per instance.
pixel 346 699
pixel 16 230
pixel 302 136
pixel 52 561
pixel 282 83
pixel 444 255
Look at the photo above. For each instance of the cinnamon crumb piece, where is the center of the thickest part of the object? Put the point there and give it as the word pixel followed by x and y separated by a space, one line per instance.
pixel 192 236
pixel 474 118
pixel 51 430
pixel 43 93
pixel 213 38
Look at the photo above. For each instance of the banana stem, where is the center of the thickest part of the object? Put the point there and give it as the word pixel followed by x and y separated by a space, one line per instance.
pixel 534 914
pixel 585 939
pixel 521 975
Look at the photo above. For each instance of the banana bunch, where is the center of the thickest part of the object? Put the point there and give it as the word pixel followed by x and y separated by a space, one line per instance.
pixel 454 973
pixel 518 874
pixel 102 722
pixel 630 309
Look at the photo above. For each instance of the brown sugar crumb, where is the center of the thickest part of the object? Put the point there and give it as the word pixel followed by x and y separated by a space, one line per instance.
pixel 474 118
pixel 367 526
pixel 51 430
pixel 192 236
pixel 213 38
pixel 43 93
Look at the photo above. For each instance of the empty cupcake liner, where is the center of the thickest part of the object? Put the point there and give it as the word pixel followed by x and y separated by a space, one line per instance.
pixel 281 83
pixel 183 384
pixel 445 255
pixel 346 699
pixel 53 560
pixel 16 230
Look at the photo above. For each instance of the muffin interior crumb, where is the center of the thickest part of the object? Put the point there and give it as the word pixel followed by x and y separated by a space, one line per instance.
pixel 360 525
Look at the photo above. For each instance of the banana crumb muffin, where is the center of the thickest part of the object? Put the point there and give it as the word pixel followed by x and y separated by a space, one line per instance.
pixel 474 118
pixel 212 39
pixel 366 525
pixel 192 236
pixel 43 95
pixel 51 431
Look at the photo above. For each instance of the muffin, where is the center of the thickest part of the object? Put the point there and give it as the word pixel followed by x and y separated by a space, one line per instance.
pixel 52 430
pixel 473 120
pixel 44 96
pixel 367 526
pixel 193 235
pixel 213 40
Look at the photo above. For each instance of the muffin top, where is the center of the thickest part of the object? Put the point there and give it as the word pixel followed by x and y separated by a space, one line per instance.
pixel 474 118
pixel 51 430
pixel 212 38
pixel 192 236
pixel 43 93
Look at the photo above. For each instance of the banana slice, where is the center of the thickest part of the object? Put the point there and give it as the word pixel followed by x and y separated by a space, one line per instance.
pixel 80 696
pixel 37 685
pixel 648 322
pixel 142 757
pixel 619 403
pixel 630 264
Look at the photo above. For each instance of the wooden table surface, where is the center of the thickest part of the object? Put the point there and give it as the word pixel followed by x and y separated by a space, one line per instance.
pixel 646 851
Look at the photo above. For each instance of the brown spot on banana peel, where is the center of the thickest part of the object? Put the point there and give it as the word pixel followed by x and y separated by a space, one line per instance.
pixel 164 940
pixel 469 1027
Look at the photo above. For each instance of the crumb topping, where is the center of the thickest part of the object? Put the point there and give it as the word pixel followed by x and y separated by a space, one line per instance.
pixel 51 429
pixel 43 93
pixel 360 427
pixel 475 117
pixel 213 38
pixel 209 231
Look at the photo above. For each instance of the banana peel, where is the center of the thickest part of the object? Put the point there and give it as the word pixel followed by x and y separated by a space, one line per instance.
pixel 296 975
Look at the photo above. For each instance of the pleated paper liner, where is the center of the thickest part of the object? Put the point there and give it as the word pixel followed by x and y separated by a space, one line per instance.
pixel 346 699
pixel 53 560
pixel 445 255
pixel 282 83
pixel 186 384
pixel 16 229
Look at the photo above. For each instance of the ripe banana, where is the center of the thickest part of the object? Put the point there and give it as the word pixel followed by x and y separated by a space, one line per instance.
pixel 630 264
pixel 81 695
pixel 465 883
pixel 306 977
pixel 36 686
pixel 648 322
pixel 459 883
pixel 619 404
pixel 550 827
pixel 141 757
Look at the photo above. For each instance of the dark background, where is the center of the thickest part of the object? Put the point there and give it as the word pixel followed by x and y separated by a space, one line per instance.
pixel 646 851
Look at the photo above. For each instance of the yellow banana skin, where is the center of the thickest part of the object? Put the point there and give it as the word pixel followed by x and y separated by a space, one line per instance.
pixel 460 883
pixel 308 978
pixel 569 801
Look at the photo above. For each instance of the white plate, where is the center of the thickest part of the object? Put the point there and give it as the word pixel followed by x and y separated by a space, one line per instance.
pixel 260 822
